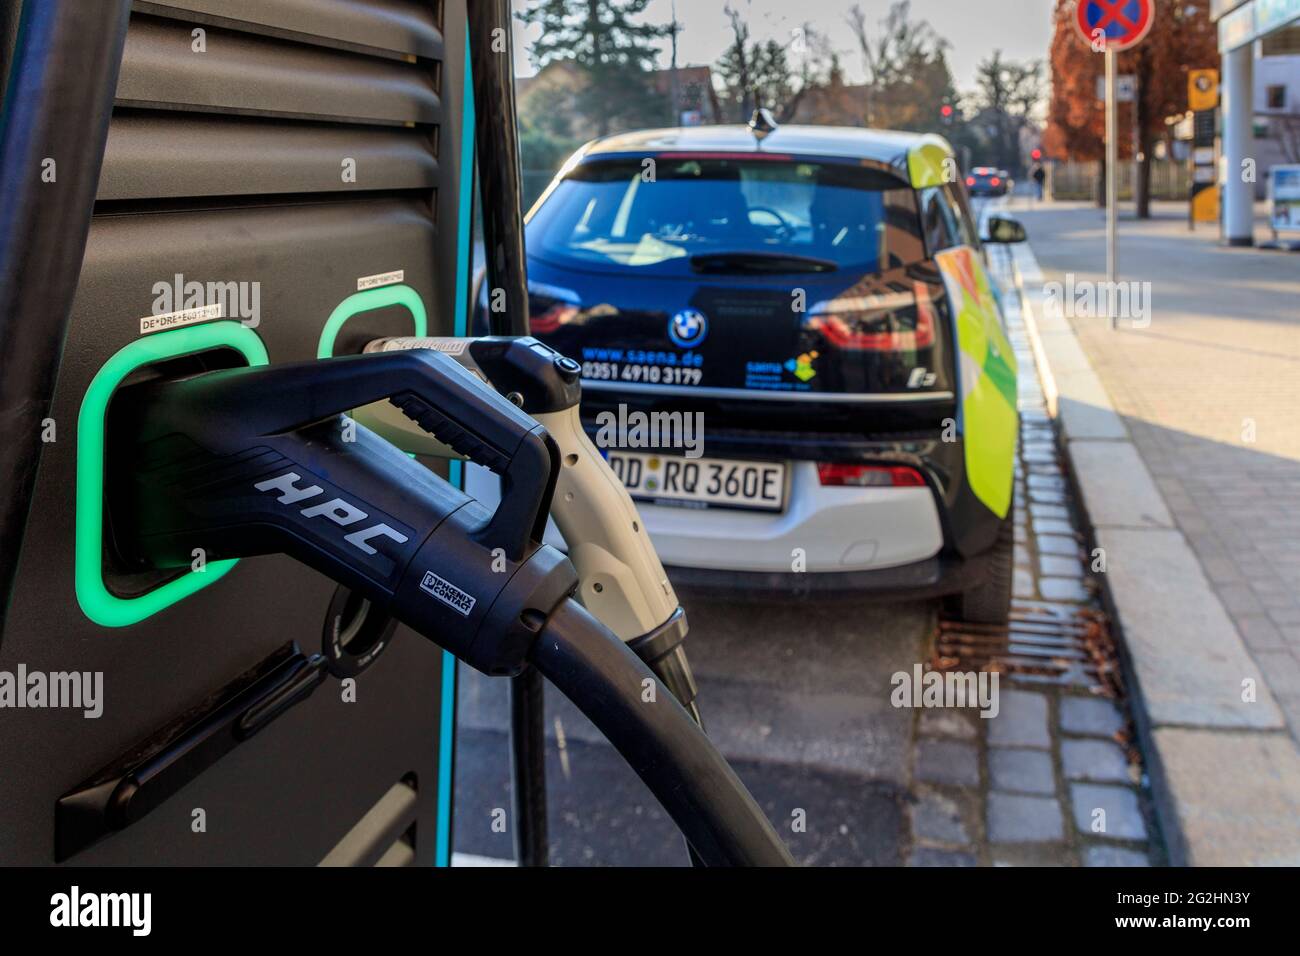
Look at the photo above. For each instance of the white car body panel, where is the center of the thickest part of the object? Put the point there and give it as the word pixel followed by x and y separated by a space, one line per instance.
pixel 837 528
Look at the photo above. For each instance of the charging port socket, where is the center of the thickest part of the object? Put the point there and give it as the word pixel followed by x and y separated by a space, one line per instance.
pixel 109 593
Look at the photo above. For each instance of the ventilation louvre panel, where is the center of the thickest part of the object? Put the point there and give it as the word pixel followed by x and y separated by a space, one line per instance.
pixel 225 169
pixel 399 28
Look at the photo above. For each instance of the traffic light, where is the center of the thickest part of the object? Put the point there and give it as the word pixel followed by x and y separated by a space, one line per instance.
pixel 945 114
pixel 1036 154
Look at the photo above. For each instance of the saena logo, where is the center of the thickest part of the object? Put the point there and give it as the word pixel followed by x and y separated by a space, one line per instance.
pixel 75 908
pixel 802 366
pixel 336 510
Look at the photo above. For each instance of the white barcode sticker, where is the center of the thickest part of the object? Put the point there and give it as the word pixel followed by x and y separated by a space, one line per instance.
pixel 172 320
pixel 383 278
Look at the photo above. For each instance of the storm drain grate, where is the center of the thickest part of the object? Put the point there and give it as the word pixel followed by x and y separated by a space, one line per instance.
pixel 1063 645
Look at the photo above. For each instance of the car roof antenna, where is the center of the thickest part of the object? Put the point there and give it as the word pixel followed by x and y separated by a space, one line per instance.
pixel 761 123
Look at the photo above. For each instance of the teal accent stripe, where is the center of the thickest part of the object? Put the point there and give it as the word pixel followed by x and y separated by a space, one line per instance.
pixel 456 473
pixel 465 217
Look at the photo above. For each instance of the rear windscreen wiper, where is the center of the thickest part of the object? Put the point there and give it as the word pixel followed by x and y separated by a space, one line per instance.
pixel 759 262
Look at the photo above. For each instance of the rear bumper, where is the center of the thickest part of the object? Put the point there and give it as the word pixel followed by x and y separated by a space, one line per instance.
pixel 966 528
pixel 933 577
pixel 822 529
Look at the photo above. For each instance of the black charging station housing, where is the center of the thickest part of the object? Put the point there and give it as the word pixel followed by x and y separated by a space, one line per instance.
pixel 284 154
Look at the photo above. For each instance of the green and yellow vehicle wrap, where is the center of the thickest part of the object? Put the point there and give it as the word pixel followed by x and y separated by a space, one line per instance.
pixel 986 363
pixel 986 375
pixel 931 163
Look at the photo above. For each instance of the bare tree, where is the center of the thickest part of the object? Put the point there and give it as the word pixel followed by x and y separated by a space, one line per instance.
pixel 754 73
pixel 735 68
pixel 1008 94
pixel 905 62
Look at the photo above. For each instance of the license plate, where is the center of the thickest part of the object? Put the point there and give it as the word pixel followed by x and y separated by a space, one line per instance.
pixel 701 482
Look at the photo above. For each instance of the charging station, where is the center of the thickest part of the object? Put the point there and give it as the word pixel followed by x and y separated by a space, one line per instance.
pixel 232 611
pixel 277 180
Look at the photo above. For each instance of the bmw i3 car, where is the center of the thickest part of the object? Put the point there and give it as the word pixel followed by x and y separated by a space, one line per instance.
pixel 814 302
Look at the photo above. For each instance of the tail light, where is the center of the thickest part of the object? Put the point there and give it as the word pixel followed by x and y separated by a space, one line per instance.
pixel 868 476
pixel 543 323
pixel 970 180
pixel 550 307
pixel 995 181
pixel 876 323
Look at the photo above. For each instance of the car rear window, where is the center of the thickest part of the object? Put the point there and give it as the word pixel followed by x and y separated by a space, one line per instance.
pixel 654 216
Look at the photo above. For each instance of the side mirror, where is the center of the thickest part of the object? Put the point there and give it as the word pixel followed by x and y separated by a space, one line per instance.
pixel 1004 230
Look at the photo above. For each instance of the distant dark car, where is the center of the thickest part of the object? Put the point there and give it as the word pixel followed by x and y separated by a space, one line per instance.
pixel 818 295
pixel 987 181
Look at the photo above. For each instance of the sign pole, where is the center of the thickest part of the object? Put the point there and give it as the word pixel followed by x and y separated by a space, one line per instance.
pixel 1112 181
pixel 1109 26
pixel 1136 136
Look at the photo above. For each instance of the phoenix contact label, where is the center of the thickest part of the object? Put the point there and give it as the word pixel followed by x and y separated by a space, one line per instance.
pixel 448 593
pixel 452 346
pixel 383 278
pixel 172 320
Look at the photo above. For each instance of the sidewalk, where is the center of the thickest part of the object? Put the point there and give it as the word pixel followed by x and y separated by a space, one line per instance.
pixel 1182 437
pixel 1054 779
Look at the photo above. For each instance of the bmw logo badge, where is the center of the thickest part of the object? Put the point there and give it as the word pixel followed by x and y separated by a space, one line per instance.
pixel 688 328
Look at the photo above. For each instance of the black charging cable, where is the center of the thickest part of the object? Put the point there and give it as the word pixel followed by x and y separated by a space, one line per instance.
pixel 249 461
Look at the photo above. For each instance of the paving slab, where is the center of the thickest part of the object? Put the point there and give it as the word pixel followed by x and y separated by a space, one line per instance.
pixel 1057 566
pixel 937 818
pixel 1236 795
pixel 1084 410
pixel 928 856
pixel 1063 589
pixel 1021 720
pixel 1106 855
pixel 1117 489
pixel 1023 771
pixel 1095 760
pixel 947 761
pixel 1090 717
pixel 945 722
pixel 1017 819
pixel 1122 818
pixel 1188 658
pixel 1058 544
pixel 1032 854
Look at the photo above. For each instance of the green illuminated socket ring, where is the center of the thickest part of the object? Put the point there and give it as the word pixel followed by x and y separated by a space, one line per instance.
pixel 96 601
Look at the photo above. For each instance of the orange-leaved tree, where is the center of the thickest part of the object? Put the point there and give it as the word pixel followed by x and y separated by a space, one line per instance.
pixel 1182 38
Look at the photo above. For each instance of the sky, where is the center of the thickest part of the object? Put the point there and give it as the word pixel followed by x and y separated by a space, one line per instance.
pixel 1022 29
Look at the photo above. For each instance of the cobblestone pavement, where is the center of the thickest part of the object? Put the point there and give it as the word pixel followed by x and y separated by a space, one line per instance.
pixel 1210 393
pixel 1054 778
